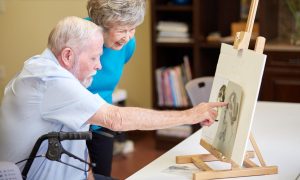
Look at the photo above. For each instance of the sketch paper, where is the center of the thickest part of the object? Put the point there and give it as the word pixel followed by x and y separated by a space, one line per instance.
pixel 228 118
pixel 244 68
pixel 182 170
pixel 216 95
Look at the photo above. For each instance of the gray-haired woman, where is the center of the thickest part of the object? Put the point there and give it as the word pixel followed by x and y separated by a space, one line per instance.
pixel 119 18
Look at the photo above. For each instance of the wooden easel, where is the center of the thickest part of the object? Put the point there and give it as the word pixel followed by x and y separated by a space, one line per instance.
pixel 250 168
pixel 242 41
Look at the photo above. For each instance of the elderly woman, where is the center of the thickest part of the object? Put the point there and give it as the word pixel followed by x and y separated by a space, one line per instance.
pixel 119 18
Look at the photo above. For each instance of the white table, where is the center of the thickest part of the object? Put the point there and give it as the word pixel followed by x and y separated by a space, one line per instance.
pixel 276 129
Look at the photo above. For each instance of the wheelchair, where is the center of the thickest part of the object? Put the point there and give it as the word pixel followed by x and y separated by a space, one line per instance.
pixel 54 153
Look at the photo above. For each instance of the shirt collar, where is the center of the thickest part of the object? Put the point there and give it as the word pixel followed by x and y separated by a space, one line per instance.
pixel 48 54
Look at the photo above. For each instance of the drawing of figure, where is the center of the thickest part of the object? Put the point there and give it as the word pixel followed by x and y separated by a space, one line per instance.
pixel 221 94
pixel 233 108
pixel 228 121
pixel 221 98
pixel 231 118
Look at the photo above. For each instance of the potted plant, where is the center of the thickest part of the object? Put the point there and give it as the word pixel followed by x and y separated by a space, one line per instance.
pixel 294 7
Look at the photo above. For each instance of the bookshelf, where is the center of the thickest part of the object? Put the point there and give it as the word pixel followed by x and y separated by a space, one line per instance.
pixel 203 18
pixel 200 19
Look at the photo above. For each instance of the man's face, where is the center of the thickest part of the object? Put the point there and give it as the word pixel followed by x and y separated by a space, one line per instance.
pixel 87 62
pixel 117 36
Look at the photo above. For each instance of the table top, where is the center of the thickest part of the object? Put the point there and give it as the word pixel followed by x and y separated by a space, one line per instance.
pixel 276 129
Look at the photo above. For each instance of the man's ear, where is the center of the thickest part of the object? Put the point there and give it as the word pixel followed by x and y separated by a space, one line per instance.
pixel 67 58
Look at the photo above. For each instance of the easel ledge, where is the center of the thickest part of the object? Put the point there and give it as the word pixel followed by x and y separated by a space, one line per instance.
pixel 250 168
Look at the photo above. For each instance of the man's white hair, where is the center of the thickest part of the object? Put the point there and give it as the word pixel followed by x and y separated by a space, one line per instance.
pixel 72 32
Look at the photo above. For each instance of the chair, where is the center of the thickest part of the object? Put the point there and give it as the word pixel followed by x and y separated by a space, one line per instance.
pixel 199 89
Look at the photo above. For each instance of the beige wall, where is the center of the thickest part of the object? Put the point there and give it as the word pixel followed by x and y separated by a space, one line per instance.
pixel 24 28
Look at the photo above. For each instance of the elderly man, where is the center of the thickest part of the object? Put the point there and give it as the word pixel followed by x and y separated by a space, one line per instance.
pixel 49 94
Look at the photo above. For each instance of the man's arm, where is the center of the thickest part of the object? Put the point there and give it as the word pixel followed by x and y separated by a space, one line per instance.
pixel 132 118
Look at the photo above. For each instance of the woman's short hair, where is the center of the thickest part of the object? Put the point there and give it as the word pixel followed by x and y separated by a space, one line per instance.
pixel 107 13
pixel 72 32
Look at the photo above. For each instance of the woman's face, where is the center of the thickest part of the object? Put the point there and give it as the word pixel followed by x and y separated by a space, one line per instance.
pixel 117 36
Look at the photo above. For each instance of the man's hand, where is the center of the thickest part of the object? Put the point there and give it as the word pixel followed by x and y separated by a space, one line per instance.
pixel 206 113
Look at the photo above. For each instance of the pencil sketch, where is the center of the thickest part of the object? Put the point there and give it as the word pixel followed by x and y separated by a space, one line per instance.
pixel 228 120
pixel 221 98
pixel 186 170
pixel 298 177
pixel 217 94
pixel 221 94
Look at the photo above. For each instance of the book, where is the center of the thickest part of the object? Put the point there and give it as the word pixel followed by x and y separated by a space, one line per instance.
pixel 172 26
pixel 187 68
pixel 173 34
pixel 159 86
pixel 173 40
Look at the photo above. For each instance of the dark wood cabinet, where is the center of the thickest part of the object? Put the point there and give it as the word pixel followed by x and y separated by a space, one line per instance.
pixel 281 80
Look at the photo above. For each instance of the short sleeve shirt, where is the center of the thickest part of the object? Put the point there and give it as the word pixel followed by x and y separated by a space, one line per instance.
pixel 42 98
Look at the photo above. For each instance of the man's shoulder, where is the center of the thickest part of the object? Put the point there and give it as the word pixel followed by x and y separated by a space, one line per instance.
pixel 39 66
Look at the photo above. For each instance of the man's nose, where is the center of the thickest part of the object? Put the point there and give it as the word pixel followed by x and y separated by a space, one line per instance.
pixel 98 65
